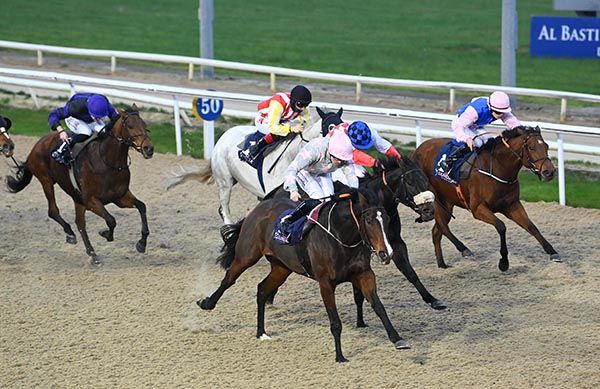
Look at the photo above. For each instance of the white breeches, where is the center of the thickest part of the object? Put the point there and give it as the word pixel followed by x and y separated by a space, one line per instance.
pixel 315 186
pixel 80 127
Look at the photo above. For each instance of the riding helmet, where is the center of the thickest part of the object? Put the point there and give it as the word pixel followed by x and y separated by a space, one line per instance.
pixel 300 94
pixel 97 106
pixel 360 135
pixel 500 102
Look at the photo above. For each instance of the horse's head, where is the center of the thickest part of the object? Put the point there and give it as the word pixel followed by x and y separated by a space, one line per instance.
pixel 130 129
pixel 408 184
pixel 527 144
pixel 6 144
pixel 329 120
pixel 373 225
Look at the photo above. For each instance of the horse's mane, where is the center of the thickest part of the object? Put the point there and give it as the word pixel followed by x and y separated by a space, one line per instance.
pixel 519 130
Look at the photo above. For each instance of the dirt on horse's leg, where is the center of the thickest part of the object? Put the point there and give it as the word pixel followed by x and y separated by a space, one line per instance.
pixel 359 299
pixel 518 214
pixel 484 214
pixel 240 263
pixel 402 262
pixel 99 209
pixel 272 281
pixel 130 201
pixel 365 281
pixel 53 211
pixel 80 221
pixel 335 324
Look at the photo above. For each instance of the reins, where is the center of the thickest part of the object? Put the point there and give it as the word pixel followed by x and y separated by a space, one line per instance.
pixel 124 141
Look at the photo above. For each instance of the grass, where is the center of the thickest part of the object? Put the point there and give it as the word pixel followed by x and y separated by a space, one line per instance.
pixel 583 190
pixel 426 40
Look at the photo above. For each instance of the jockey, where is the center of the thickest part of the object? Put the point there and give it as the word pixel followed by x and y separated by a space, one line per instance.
pixel 277 117
pixel 471 118
pixel 312 168
pixel 83 113
pixel 364 138
pixel 5 124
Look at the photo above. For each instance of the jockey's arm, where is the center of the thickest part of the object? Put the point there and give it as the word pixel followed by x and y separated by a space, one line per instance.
pixel 510 120
pixel 362 158
pixel 274 119
pixel 350 174
pixel 464 121
pixel 304 159
pixel 384 146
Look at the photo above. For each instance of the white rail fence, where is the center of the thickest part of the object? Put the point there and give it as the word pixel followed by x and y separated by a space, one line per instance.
pixel 273 71
pixel 31 80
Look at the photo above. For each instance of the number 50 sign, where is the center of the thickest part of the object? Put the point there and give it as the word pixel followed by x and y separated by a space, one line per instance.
pixel 208 110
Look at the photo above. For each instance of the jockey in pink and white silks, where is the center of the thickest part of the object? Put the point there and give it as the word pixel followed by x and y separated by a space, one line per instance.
pixel 469 123
pixel 312 168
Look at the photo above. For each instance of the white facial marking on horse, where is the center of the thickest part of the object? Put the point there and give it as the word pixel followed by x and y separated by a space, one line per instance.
pixel 424 197
pixel 385 239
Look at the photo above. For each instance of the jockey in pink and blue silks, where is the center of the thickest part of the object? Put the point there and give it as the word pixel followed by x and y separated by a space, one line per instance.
pixel 471 118
pixel 312 168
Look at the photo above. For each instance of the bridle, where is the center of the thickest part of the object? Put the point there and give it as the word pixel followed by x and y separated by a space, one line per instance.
pixel 125 141
pixel 401 195
pixel 526 150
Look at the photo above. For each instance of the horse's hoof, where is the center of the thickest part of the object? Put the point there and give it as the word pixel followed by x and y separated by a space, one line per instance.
pixel 556 258
pixel 95 260
pixel 71 239
pixel 401 345
pixel 205 304
pixel 362 325
pixel 466 253
pixel 341 359
pixel 140 247
pixel 106 235
pixel 438 305
pixel 503 265
pixel 444 265
pixel 264 337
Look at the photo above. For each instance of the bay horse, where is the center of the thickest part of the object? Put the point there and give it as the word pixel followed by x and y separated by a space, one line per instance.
pixel 226 169
pixel 402 182
pixel 103 177
pixel 338 249
pixel 491 187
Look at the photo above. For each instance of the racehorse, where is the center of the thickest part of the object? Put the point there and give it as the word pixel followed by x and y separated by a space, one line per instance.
pixel 103 177
pixel 491 187
pixel 226 169
pixel 337 250
pixel 6 144
pixel 403 182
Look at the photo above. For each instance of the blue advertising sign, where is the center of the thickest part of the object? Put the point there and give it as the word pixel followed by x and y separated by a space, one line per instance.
pixel 207 109
pixel 565 37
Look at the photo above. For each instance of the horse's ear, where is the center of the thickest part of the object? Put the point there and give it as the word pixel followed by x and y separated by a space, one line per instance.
pixel 134 107
pixel 321 113
pixel 340 111
pixel 120 111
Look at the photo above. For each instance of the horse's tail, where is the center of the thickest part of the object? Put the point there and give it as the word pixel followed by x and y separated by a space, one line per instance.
pixel 203 175
pixel 230 233
pixel 21 179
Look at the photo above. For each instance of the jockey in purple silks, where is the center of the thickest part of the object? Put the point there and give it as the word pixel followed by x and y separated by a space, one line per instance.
pixel 83 113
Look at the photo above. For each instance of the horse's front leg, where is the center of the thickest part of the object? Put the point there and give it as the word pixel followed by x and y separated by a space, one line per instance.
pixel 272 281
pixel 365 281
pixel 99 209
pixel 402 262
pixel 130 201
pixel 359 299
pixel 80 221
pixel 483 213
pixel 335 324
pixel 518 214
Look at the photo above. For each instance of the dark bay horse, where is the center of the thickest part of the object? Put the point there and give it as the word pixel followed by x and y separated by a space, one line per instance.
pixel 491 187
pixel 6 144
pixel 103 177
pixel 338 250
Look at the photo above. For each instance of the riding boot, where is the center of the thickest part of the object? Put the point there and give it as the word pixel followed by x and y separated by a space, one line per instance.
pixel 249 155
pixel 62 154
pixel 301 210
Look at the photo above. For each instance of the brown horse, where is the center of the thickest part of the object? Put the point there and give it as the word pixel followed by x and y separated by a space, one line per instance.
pixel 6 144
pixel 492 186
pixel 103 177
pixel 337 250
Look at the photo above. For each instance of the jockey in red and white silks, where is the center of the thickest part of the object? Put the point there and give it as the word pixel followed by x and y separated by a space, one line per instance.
pixel 276 116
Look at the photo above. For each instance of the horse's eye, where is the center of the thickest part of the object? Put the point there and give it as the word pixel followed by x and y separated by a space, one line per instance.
pixel 331 127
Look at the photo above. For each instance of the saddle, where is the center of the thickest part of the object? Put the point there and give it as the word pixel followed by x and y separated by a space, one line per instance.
pixel 297 230
pixel 454 162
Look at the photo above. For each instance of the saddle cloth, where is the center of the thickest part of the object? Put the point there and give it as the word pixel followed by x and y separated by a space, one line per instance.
pixel 456 170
